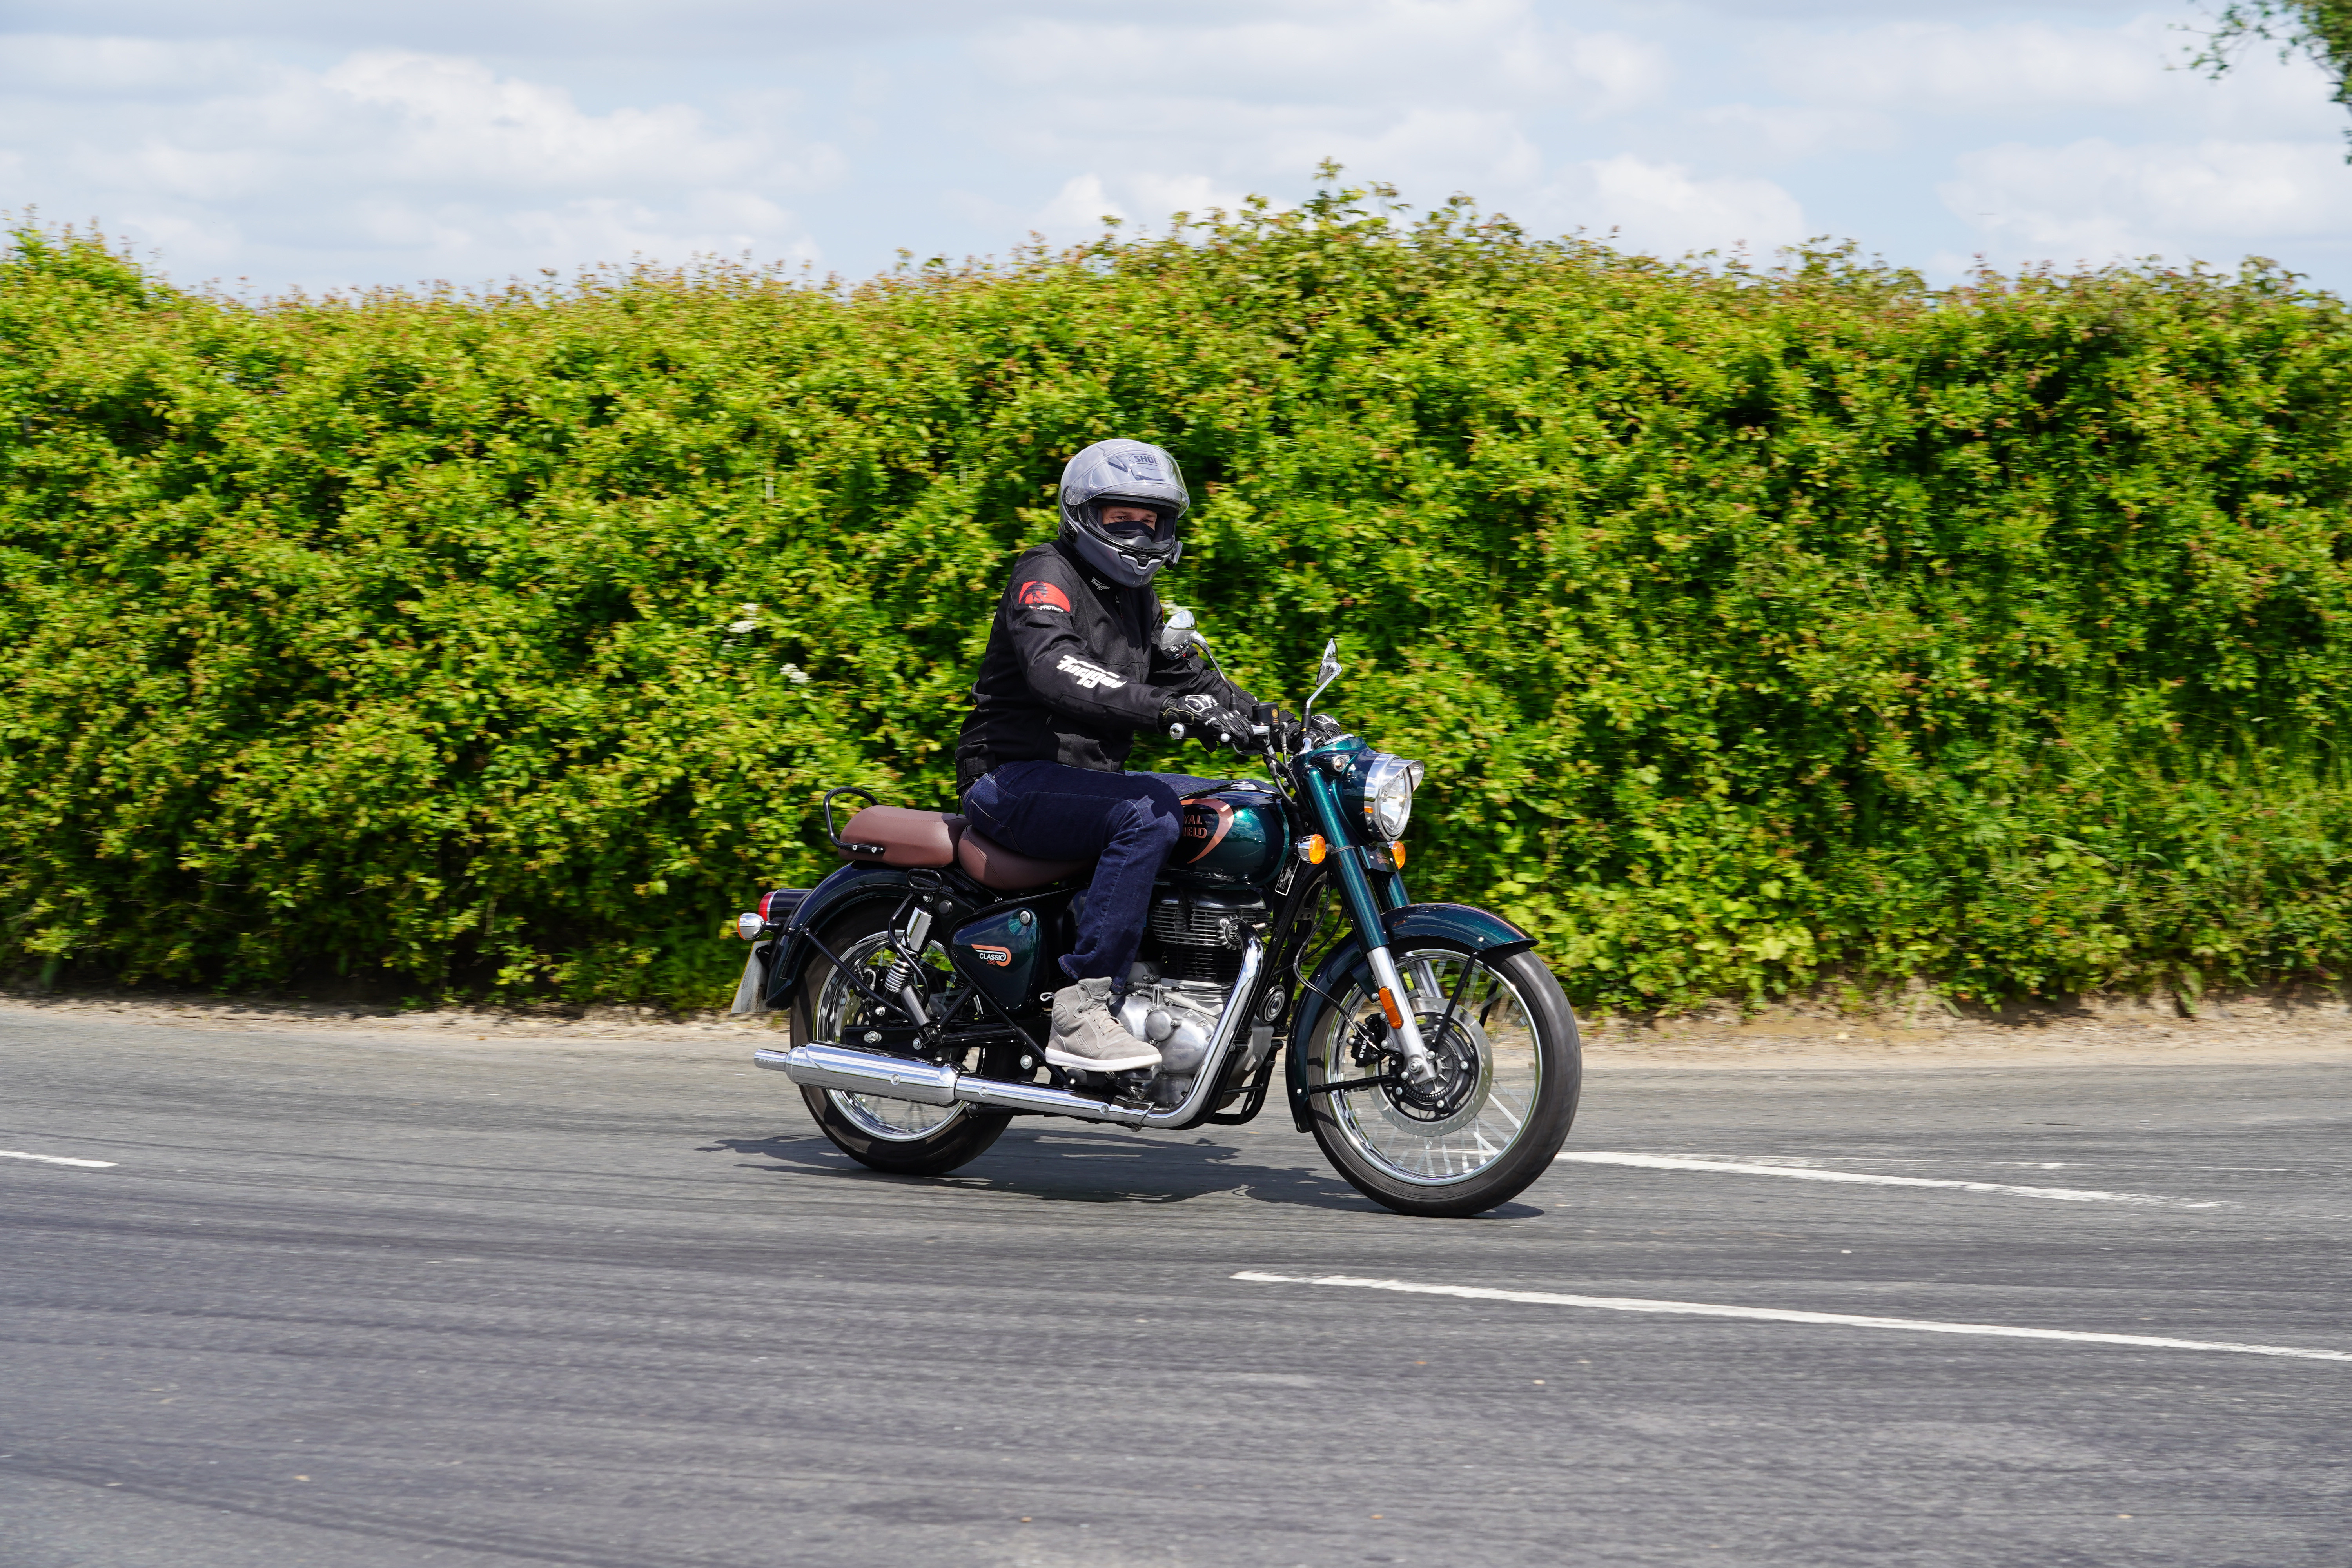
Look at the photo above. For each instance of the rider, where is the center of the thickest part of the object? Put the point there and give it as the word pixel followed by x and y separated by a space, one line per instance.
pixel 1073 669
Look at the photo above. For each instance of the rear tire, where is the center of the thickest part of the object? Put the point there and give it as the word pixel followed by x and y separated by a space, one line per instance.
pixel 894 1135
pixel 1514 1064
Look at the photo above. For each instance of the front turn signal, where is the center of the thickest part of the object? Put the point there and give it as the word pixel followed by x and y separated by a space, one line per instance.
pixel 1312 849
pixel 1396 855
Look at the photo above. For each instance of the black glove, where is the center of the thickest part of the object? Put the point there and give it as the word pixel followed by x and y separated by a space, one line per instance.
pixel 1208 721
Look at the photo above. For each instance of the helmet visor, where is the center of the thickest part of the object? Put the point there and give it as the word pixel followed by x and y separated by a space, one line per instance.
pixel 1129 524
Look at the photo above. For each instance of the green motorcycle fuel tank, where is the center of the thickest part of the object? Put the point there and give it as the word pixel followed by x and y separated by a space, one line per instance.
pixel 1234 838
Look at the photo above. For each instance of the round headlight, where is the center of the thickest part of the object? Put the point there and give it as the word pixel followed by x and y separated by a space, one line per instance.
pixel 1387 793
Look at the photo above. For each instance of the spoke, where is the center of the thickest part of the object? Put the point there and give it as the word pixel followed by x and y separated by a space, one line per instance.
pixel 1483 1015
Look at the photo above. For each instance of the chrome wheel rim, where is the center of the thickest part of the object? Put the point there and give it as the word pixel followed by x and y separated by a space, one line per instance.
pixel 1490 1061
pixel 840 1010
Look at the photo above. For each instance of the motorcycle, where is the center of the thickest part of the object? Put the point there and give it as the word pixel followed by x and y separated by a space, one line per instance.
pixel 1425 1046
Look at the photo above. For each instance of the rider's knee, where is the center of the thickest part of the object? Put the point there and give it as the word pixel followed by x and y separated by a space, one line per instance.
pixel 1156 814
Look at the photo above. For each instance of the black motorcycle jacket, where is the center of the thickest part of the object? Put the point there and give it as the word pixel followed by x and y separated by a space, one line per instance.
pixel 1073 669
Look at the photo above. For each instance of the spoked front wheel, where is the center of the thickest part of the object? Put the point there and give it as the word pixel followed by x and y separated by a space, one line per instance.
pixel 1502 1039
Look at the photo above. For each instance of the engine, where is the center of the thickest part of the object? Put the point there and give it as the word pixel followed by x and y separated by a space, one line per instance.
pixel 1198 936
pixel 1178 990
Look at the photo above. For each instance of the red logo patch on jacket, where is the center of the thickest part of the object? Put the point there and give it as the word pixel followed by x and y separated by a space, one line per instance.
pixel 1046 596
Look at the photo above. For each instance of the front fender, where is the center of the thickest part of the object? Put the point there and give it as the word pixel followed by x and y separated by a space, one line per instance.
pixel 844 889
pixel 1459 925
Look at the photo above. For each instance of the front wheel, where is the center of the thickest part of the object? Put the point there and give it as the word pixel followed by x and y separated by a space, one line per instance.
pixel 1503 1041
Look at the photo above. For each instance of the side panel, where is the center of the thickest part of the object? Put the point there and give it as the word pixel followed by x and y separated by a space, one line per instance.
pixel 1460 924
pixel 1028 963
pixel 1000 952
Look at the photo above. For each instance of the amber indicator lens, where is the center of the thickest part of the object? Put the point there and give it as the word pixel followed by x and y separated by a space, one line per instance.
pixel 1389 1005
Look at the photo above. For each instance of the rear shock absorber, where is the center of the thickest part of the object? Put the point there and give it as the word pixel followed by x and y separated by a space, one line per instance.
pixel 899 982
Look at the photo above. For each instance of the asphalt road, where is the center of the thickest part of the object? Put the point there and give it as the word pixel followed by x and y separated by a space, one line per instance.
pixel 345 1300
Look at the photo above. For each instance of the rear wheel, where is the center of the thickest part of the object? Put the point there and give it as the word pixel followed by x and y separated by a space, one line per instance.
pixel 895 1135
pixel 1503 1041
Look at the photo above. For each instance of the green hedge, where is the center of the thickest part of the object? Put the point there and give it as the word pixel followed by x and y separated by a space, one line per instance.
pixel 1760 628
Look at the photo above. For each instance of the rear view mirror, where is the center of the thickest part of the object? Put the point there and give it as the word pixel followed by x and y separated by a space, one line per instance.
pixel 1324 674
pixel 1177 634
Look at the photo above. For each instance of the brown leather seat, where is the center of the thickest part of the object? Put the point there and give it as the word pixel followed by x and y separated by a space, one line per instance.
pixel 895 835
pixel 999 870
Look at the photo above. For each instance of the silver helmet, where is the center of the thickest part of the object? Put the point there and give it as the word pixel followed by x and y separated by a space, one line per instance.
pixel 1121 472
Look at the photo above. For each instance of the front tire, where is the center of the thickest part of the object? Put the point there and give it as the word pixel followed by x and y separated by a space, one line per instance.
pixel 1510 1063
pixel 894 1135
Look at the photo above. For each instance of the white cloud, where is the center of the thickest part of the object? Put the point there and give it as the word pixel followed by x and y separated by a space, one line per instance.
pixel 632 31
pixel 1429 150
pixel 1361 53
pixel 2007 69
pixel 1076 211
pixel 1778 133
pixel 344 144
pixel 1430 153
pixel 1943 68
pixel 142 68
pixel 452 167
pixel 1196 194
pixel 2097 200
pixel 1665 209
pixel 455 121
pixel 1943 10
pixel 1434 94
pixel 1181 112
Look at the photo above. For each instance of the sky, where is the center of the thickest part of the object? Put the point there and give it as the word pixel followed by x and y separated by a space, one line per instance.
pixel 277 144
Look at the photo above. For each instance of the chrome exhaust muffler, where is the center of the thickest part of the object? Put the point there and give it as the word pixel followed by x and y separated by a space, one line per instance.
pixel 929 1083
pixel 827 1065
pixel 862 1072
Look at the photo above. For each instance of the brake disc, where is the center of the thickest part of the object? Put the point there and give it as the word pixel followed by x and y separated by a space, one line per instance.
pixel 1465 1063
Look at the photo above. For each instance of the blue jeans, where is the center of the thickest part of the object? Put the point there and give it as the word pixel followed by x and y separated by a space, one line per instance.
pixel 1125 823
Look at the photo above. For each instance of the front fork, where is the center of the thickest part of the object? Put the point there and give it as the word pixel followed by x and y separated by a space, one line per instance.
pixel 1364 908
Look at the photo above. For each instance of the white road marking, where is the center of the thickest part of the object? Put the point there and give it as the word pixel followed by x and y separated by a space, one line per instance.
pixel 1779 1315
pixel 1810 1173
pixel 58 1160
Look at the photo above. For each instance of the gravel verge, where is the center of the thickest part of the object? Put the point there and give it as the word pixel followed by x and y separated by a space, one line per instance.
pixel 2305 1025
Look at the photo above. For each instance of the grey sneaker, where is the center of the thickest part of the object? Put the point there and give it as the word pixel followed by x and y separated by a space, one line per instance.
pixel 1086 1034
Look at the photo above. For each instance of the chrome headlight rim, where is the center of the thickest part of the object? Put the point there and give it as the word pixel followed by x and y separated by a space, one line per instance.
pixel 1388 782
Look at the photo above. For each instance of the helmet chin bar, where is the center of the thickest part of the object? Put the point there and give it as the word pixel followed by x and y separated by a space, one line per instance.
pixel 1115 558
pixel 1153 562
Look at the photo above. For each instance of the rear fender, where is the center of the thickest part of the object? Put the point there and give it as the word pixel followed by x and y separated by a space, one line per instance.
pixel 843 891
pixel 1458 925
